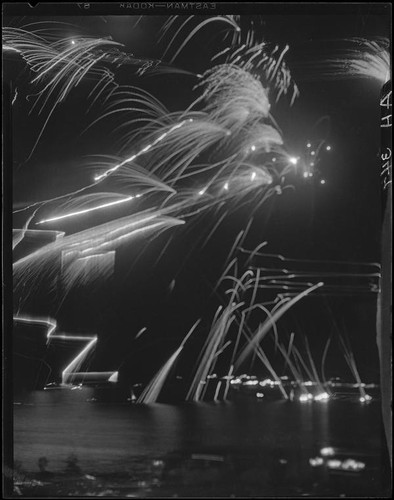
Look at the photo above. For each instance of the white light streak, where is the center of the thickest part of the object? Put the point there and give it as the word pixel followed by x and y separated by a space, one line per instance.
pixel 80 212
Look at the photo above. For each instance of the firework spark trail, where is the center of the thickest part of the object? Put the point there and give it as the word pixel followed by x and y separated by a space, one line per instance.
pixel 172 20
pixel 291 280
pixel 285 259
pixel 323 363
pixel 125 101
pixel 264 359
pixel 221 324
pixel 258 351
pixel 292 365
pixel 69 63
pixel 234 96
pixel 17 237
pixel 62 64
pixel 153 389
pixel 362 58
pixel 215 343
pixel 196 137
pixel 250 54
pixel 350 360
pixel 267 325
pixel 241 286
pixel 85 271
pixel 259 58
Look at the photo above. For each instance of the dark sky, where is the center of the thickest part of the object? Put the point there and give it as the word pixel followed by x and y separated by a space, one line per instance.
pixel 337 221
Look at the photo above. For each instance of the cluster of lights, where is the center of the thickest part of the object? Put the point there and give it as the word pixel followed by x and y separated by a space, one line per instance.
pixel 236 381
pixel 348 464
pixel 308 174
pixel 251 382
pixel 334 463
pixel 365 398
pixel 259 395
pixel 306 397
pixel 324 396
pixel 316 462
pixel 269 382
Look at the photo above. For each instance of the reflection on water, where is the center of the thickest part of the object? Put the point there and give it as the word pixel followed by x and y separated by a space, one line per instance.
pixel 239 448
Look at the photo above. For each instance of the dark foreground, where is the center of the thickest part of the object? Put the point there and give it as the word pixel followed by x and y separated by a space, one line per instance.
pixel 65 445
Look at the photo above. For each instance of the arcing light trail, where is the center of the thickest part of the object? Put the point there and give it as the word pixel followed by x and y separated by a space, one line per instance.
pixel 172 20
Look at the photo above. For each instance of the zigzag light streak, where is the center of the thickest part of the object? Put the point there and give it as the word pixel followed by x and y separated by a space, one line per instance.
pixel 68 374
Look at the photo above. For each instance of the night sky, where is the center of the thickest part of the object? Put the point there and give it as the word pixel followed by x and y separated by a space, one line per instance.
pixel 339 220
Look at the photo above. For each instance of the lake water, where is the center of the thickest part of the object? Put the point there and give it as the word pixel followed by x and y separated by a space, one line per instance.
pixel 249 447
